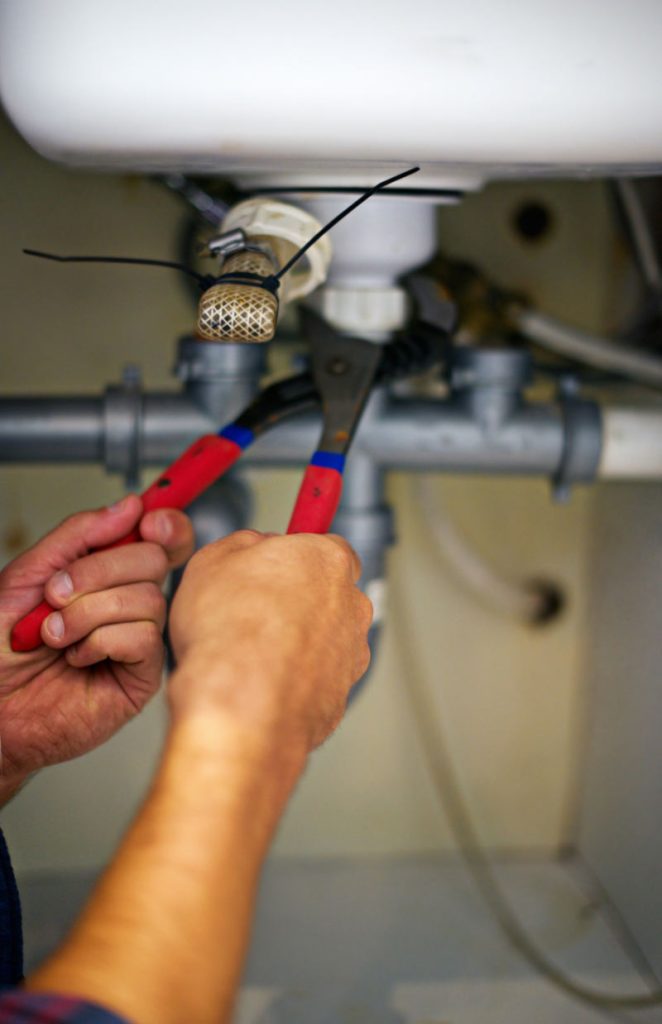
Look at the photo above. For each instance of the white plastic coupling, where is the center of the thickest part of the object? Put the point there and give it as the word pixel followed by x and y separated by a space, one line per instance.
pixel 271 221
pixel 631 444
pixel 362 311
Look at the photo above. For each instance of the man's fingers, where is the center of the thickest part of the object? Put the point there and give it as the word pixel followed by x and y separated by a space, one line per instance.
pixel 131 563
pixel 168 542
pixel 352 559
pixel 138 643
pixel 75 537
pixel 171 529
pixel 134 602
pixel 238 540
pixel 220 549
pixel 365 611
pixel 329 546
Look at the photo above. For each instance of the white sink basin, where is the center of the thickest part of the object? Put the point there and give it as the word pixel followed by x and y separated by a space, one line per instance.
pixel 303 93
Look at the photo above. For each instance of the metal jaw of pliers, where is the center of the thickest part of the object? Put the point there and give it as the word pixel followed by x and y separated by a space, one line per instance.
pixel 344 371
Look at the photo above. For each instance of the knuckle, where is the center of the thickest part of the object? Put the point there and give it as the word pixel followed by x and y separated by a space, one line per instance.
pixel 91 573
pixel 114 603
pixel 160 607
pixel 222 548
pixel 153 594
pixel 150 638
pixel 88 574
pixel 243 538
pixel 200 560
pixel 71 655
pixel 365 658
pixel 199 557
pixel 338 551
pixel 79 519
pixel 86 650
pixel 366 611
pixel 157 566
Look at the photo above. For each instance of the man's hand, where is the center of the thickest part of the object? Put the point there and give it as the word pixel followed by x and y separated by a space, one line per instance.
pixel 271 631
pixel 103 653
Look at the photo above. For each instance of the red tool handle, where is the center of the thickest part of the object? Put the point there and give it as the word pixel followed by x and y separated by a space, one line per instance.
pixel 179 485
pixel 317 500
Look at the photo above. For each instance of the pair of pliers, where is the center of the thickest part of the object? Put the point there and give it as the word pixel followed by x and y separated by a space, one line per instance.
pixel 343 371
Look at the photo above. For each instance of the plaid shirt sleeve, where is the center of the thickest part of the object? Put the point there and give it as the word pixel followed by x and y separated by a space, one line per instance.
pixel 17 1007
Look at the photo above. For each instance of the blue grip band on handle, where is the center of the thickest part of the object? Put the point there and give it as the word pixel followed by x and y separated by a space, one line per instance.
pixel 328 460
pixel 240 435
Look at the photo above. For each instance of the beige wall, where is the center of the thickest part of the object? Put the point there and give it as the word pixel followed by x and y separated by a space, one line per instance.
pixel 619 824
pixel 509 696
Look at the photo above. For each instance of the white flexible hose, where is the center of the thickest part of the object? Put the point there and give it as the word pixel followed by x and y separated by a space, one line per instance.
pixel 642 237
pixel 444 775
pixel 512 598
pixel 587 348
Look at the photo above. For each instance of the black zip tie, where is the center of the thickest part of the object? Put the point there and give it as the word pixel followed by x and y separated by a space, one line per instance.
pixel 340 216
pixel 270 283
pixel 202 279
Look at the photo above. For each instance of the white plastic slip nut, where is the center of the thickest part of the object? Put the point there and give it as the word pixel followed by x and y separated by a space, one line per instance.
pixel 262 218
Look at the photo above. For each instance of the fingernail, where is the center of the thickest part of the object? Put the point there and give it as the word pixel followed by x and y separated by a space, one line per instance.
pixel 62 585
pixel 55 625
pixel 117 506
pixel 164 527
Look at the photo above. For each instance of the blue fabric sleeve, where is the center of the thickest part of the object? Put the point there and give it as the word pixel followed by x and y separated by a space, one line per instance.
pixel 48 1008
pixel 11 931
pixel 16 1006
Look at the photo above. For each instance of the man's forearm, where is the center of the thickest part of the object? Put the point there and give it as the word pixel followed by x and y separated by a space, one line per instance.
pixel 164 936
